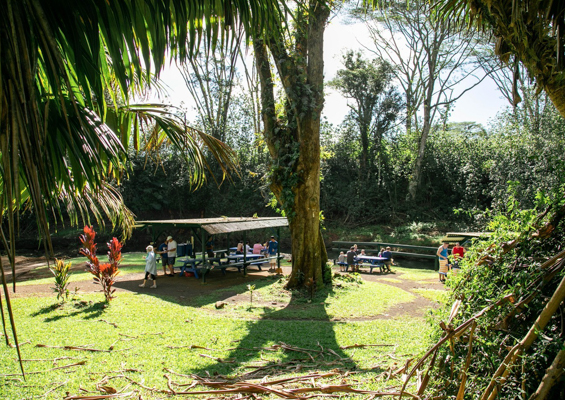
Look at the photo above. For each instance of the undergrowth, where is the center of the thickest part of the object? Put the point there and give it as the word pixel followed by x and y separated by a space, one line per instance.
pixel 507 274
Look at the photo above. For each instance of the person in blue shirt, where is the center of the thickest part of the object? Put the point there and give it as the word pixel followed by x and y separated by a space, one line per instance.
pixel 162 250
pixel 272 249
pixel 442 254
pixel 388 255
pixel 210 247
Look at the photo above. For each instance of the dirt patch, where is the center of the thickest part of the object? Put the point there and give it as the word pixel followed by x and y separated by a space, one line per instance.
pixel 185 290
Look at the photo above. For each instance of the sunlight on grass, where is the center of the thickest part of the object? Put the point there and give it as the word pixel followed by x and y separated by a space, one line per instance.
pixel 351 300
pixel 437 295
pixel 391 280
pixel 416 274
pixel 153 335
pixel 131 263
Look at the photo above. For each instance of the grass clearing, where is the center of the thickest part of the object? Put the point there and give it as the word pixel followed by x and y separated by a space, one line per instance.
pixel 416 274
pixel 439 296
pixel 153 332
pixel 131 263
pixel 353 299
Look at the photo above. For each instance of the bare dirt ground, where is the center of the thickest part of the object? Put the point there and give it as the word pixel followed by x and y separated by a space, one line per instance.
pixel 186 288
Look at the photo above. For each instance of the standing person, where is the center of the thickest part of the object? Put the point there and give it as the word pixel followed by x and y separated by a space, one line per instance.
pixel 150 267
pixel 272 248
pixel 341 261
pixel 210 247
pixel 171 255
pixel 388 255
pixel 443 254
pixel 351 259
pixel 164 259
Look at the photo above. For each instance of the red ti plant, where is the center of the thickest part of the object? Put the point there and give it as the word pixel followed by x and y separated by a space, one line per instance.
pixel 104 274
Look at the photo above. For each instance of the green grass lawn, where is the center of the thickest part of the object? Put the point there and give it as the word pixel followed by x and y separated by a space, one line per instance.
pixel 152 335
pixel 351 300
pixel 416 274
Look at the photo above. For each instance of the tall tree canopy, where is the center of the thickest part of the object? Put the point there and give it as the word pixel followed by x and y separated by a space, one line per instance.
pixel 531 32
pixel 65 66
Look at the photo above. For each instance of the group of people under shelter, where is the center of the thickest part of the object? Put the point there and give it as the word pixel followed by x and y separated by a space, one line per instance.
pixel 268 249
pixel 445 263
pixel 168 252
pixel 350 259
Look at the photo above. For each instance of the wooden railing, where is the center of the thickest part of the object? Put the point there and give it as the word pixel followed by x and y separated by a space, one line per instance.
pixel 426 252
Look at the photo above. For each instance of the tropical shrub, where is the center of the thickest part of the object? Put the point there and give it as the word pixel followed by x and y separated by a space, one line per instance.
pixel 61 272
pixel 104 274
pixel 502 329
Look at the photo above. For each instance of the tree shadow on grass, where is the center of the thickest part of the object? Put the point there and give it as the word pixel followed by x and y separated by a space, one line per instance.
pixel 279 343
pixel 89 310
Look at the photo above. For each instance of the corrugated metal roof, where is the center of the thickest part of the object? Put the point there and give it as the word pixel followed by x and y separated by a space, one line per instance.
pixel 219 225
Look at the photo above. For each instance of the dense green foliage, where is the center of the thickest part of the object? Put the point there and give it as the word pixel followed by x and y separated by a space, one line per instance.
pixel 467 168
pixel 493 269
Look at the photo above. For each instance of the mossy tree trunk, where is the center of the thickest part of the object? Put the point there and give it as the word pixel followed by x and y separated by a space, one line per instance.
pixel 293 136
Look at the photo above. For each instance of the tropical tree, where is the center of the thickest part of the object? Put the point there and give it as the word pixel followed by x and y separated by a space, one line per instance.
pixel 527 32
pixel 376 102
pixel 210 78
pixel 434 64
pixel 292 131
pixel 64 65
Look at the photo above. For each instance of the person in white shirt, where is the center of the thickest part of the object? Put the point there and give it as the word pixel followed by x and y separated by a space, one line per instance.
pixel 171 255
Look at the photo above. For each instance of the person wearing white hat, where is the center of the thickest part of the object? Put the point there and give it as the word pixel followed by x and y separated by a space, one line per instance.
pixel 150 267
pixel 171 255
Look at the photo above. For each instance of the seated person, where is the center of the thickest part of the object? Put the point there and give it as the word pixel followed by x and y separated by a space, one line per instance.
pixel 258 248
pixel 341 261
pixel 362 253
pixel 265 250
pixel 388 255
pixel 239 249
pixel 351 259
pixel 248 248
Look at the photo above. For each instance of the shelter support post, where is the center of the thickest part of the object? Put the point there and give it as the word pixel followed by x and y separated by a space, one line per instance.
pixel 203 243
pixel 244 253
pixel 279 249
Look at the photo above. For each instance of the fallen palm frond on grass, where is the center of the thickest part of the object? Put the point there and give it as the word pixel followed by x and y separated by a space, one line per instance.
pixel 277 387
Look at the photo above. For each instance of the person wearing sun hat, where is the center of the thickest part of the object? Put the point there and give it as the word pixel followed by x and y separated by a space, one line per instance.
pixel 150 267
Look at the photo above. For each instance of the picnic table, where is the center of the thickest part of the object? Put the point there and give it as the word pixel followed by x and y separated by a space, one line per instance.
pixel 195 264
pixel 239 260
pixel 374 262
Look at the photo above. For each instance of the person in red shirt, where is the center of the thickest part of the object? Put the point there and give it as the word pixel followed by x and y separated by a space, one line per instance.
pixel 457 253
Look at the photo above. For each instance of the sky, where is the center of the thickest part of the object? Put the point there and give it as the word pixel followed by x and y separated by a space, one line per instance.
pixel 481 104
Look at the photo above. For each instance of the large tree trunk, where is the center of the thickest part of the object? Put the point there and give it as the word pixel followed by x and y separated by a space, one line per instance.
pixel 294 144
